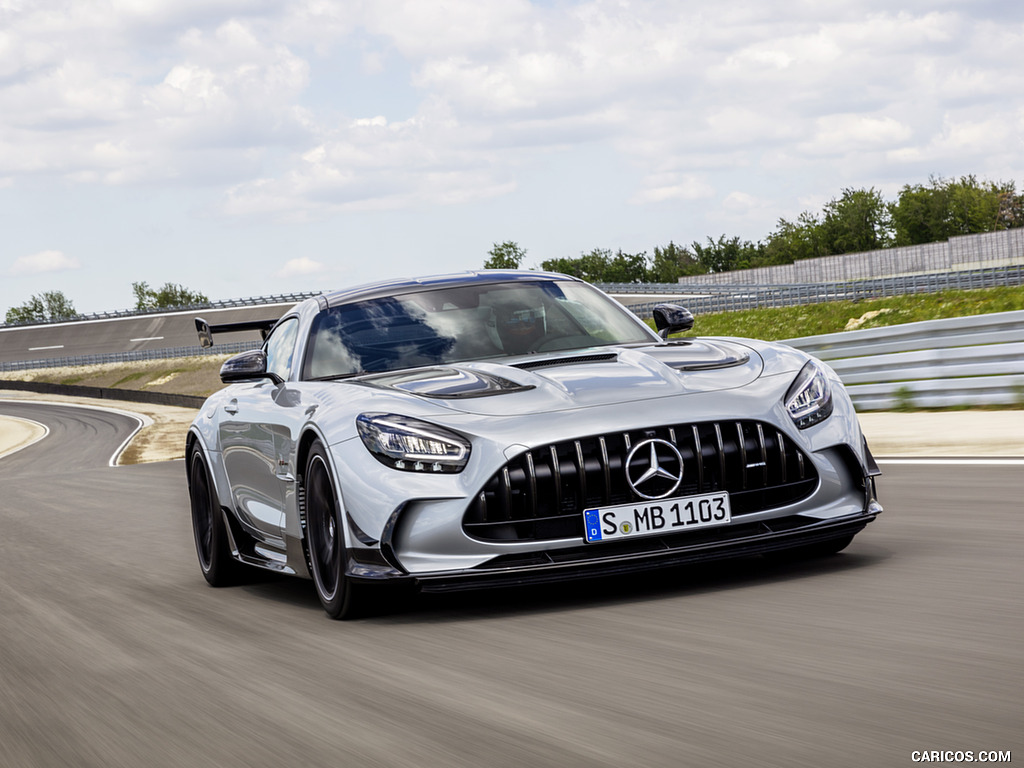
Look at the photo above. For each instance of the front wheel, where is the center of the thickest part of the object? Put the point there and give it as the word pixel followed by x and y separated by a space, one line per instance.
pixel 325 540
pixel 211 536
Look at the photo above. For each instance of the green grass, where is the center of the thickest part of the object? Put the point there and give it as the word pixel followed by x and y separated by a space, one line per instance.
pixel 833 317
pixel 127 379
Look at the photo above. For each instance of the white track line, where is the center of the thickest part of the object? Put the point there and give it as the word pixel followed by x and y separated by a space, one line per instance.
pixel 46 431
pixel 142 419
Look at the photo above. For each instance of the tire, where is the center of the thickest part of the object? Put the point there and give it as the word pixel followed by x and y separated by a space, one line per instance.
pixel 325 540
pixel 211 537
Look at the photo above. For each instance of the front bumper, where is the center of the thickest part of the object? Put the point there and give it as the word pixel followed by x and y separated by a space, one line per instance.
pixel 642 554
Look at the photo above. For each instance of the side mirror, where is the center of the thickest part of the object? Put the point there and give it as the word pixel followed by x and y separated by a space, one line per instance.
pixel 204 333
pixel 247 366
pixel 671 318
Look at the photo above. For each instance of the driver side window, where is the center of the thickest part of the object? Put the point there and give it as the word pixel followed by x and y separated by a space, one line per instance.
pixel 280 346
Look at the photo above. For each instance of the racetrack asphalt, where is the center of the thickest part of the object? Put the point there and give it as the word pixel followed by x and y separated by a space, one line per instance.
pixel 114 652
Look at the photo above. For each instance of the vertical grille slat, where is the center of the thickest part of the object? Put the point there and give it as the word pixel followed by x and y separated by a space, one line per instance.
pixel 556 476
pixel 698 451
pixel 506 494
pixel 581 473
pixel 764 455
pixel 721 455
pixel 531 485
pixel 606 469
pixel 541 494
pixel 781 446
pixel 743 454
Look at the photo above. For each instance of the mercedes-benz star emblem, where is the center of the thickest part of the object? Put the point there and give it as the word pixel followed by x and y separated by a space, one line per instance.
pixel 658 468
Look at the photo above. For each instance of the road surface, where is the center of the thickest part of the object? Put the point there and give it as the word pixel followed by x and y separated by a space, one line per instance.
pixel 115 652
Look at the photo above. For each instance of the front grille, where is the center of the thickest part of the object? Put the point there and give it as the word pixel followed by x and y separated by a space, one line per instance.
pixel 541 494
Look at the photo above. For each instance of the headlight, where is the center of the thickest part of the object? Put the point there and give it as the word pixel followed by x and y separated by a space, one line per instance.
pixel 809 400
pixel 412 445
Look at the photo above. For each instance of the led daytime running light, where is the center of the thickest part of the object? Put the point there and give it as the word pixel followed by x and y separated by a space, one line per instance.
pixel 809 400
pixel 409 444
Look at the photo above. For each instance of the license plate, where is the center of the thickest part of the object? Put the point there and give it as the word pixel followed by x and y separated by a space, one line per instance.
pixel 656 517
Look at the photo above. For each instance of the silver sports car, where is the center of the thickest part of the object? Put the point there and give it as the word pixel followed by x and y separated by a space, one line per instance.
pixel 504 428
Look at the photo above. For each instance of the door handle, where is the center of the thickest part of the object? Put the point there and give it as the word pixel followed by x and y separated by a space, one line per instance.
pixel 232 407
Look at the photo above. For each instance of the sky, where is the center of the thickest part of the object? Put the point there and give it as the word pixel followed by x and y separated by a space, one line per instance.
pixel 254 147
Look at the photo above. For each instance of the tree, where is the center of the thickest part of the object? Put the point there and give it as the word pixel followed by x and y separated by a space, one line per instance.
pixel 856 222
pixel 601 266
pixel 507 255
pixel 626 268
pixel 1011 208
pixel 793 241
pixel 170 295
pixel 919 215
pixel 727 253
pixel 48 306
pixel 672 262
pixel 591 267
pixel 564 266
pixel 974 207
pixel 946 208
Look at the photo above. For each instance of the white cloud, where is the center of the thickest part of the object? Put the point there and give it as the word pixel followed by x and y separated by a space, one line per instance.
pixel 843 134
pixel 674 104
pixel 373 164
pixel 965 144
pixel 673 186
pixel 301 267
pixel 44 261
pixel 107 99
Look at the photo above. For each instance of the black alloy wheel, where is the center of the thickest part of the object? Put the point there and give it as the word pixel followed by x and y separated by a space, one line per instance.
pixel 325 539
pixel 211 537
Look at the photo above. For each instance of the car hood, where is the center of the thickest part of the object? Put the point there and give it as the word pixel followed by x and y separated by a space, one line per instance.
pixel 581 378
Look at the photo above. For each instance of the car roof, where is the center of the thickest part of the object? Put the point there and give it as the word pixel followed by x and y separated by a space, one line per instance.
pixel 413 285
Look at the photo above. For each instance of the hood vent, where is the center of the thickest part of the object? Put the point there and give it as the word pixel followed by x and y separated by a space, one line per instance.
pixel 578 360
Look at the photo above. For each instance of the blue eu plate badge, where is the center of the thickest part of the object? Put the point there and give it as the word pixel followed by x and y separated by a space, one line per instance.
pixel 592 521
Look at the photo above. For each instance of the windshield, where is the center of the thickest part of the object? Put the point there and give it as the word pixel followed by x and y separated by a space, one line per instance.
pixel 462 323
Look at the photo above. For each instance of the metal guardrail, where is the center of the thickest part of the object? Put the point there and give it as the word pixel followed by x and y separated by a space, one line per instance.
pixel 129 357
pixel 255 301
pixel 706 299
pixel 965 361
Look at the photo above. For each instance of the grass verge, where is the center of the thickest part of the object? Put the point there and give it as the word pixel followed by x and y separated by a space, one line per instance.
pixel 181 376
pixel 836 316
